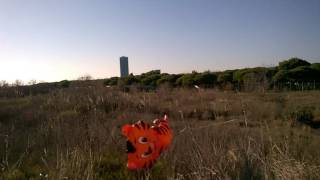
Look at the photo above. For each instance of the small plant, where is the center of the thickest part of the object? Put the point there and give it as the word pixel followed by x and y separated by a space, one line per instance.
pixel 111 166
pixel 303 115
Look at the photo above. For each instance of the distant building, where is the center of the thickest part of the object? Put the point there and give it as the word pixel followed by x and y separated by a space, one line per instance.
pixel 124 66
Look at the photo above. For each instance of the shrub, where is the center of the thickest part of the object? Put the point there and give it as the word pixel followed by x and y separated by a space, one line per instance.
pixel 129 80
pixel 111 81
pixel 186 80
pixel 168 78
pixel 301 73
pixel 315 66
pixel 303 115
pixel 64 84
pixel 292 63
pixel 206 78
pixel 151 80
pixel 111 166
pixel 225 76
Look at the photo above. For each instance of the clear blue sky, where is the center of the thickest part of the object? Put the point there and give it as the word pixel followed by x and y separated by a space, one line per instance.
pixel 63 39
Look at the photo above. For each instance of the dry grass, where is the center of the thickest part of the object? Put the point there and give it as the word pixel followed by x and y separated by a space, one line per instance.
pixel 74 134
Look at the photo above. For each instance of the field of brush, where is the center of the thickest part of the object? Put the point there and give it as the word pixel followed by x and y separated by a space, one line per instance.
pixel 74 133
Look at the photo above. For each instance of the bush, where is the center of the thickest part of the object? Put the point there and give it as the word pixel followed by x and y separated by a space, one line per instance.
pixel 151 80
pixel 111 166
pixel 225 76
pixel 111 81
pixel 315 66
pixel 281 76
pixel 186 80
pixel 303 115
pixel 206 78
pixel 129 80
pixel 168 78
pixel 292 63
pixel 301 73
pixel 64 84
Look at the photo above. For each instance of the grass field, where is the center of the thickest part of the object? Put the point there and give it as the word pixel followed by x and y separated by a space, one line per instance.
pixel 74 133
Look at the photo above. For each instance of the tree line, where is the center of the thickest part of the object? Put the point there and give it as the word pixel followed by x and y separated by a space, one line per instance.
pixel 287 74
pixel 291 74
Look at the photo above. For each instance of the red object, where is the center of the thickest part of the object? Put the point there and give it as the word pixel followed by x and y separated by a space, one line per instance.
pixel 145 143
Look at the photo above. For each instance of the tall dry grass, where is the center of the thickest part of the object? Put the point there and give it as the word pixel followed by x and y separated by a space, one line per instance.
pixel 74 133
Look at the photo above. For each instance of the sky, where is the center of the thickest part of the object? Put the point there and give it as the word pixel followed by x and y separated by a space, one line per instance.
pixel 52 40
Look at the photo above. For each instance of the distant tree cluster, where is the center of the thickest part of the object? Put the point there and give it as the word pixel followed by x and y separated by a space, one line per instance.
pixel 289 71
pixel 85 77
pixel 18 89
pixel 291 74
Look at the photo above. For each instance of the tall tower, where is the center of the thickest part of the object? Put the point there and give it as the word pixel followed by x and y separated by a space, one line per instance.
pixel 124 66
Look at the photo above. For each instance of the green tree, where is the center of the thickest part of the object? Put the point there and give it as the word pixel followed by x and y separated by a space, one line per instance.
pixel 129 80
pixel 168 78
pixel 292 63
pixel 186 80
pixel 304 73
pixel 225 76
pixel 257 74
pixel 153 72
pixel 111 81
pixel 238 74
pixel 281 76
pixel 206 78
pixel 315 66
pixel 150 80
pixel 301 73
pixel 64 84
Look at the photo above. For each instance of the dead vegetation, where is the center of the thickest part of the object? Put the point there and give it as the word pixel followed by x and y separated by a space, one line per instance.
pixel 73 133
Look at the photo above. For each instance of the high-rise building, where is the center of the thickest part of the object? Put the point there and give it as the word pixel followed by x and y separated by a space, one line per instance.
pixel 124 66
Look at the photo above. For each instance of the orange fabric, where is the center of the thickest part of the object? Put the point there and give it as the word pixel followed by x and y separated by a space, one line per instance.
pixel 145 143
